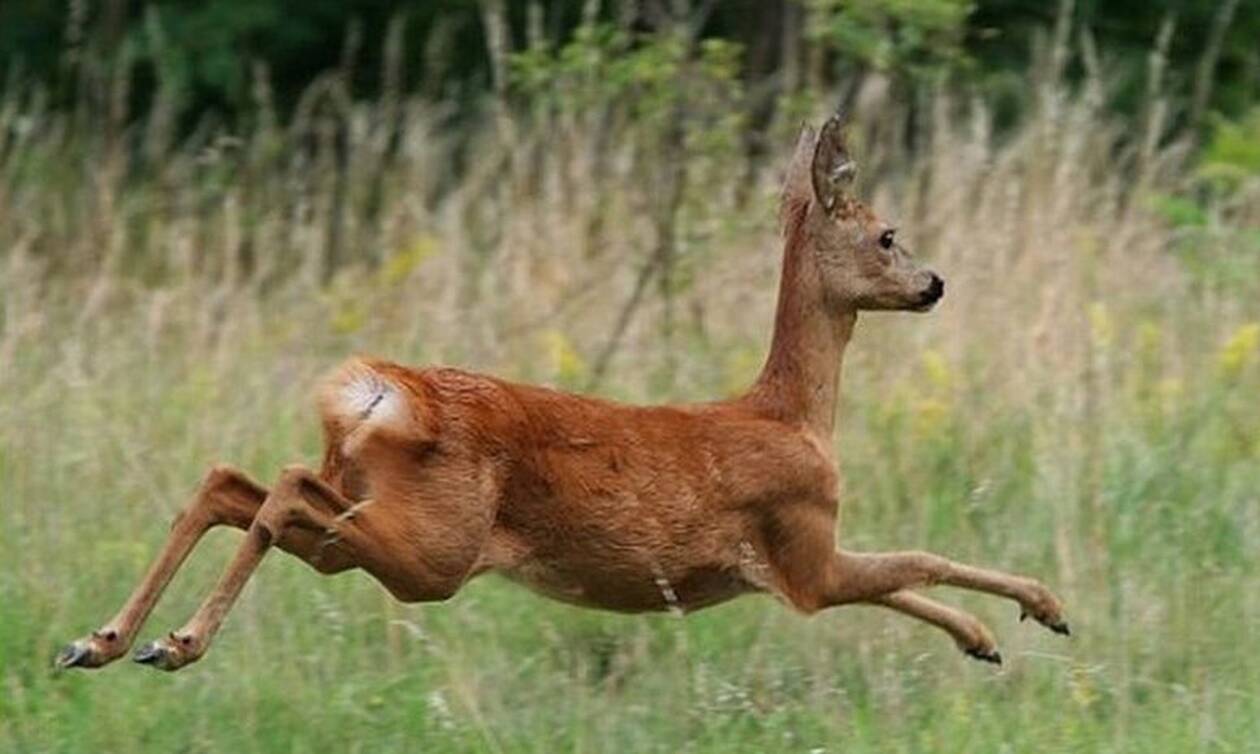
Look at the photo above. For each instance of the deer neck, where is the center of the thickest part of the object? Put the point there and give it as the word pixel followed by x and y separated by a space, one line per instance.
pixel 800 381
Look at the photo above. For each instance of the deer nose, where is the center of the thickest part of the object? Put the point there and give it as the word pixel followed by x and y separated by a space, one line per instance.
pixel 933 292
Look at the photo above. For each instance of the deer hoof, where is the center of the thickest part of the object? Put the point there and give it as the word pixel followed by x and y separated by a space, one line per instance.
pixel 1042 606
pixel 986 655
pixel 76 655
pixel 170 653
pixel 1055 624
pixel 97 649
pixel 152 653
pixel 160 655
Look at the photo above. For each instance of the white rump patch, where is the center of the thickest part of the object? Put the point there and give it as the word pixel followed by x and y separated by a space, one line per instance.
pixel 357 395
pixel 369 398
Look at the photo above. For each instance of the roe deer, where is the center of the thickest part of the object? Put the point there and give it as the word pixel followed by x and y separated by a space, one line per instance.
pixel 433 476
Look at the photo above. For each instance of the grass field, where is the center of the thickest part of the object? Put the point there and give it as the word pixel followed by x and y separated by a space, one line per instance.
pixel 1081 407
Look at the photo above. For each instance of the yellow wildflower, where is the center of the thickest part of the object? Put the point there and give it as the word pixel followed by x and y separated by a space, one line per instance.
pixel 741 369
pixel 1101 328
pixel 399 267
pixel 930 416
pixel 348 318
pixel 1082 685
pixel 1150 338
pixel 566 363
pixel 939 375
pixel 1240 350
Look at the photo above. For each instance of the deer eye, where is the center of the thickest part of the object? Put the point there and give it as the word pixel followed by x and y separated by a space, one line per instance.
pixel 886 239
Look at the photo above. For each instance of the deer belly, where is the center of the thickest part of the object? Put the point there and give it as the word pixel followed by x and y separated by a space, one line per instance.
pixel 629 589
pixel 624 552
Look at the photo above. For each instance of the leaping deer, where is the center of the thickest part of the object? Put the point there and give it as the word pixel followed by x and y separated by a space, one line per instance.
pixel 434 476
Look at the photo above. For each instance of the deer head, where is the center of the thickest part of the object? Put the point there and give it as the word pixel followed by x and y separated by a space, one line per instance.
pixel 859 261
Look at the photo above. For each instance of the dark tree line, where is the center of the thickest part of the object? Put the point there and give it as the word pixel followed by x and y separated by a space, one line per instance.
pixel 210 52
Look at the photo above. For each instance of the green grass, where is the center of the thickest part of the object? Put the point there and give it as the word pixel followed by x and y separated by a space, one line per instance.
pixel 1153 557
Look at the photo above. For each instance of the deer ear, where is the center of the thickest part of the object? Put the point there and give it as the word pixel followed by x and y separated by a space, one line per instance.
pixel 797 184
pixel 832 169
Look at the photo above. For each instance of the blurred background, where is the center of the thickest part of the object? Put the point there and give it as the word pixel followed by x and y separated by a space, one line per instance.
pixel 206 205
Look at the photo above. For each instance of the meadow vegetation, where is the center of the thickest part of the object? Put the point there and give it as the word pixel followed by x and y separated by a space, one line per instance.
pixel 1081 406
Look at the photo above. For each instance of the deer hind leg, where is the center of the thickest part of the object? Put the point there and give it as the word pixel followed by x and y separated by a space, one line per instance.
pixel 226 497
pixel 288 514
pixel 379 537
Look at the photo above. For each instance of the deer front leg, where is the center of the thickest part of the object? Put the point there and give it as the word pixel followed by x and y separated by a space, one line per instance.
pixel 799 542
pixel 860 577
pixel 226 496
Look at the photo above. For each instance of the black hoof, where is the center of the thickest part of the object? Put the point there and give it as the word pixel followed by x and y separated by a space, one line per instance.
pixel 74 655
pixel 1059 627
pixel 994 657
pixel 150 654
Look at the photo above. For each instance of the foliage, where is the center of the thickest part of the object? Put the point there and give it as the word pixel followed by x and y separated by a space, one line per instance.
pixel 210 50
pixel 1232 154
pixel 920 38
pixel 648 80
pixel 1216 216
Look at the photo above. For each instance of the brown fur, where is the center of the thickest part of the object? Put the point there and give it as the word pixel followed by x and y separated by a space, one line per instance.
pixel 434 476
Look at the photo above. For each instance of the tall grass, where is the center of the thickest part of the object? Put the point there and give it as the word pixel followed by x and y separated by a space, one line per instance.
pixel 1080 407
